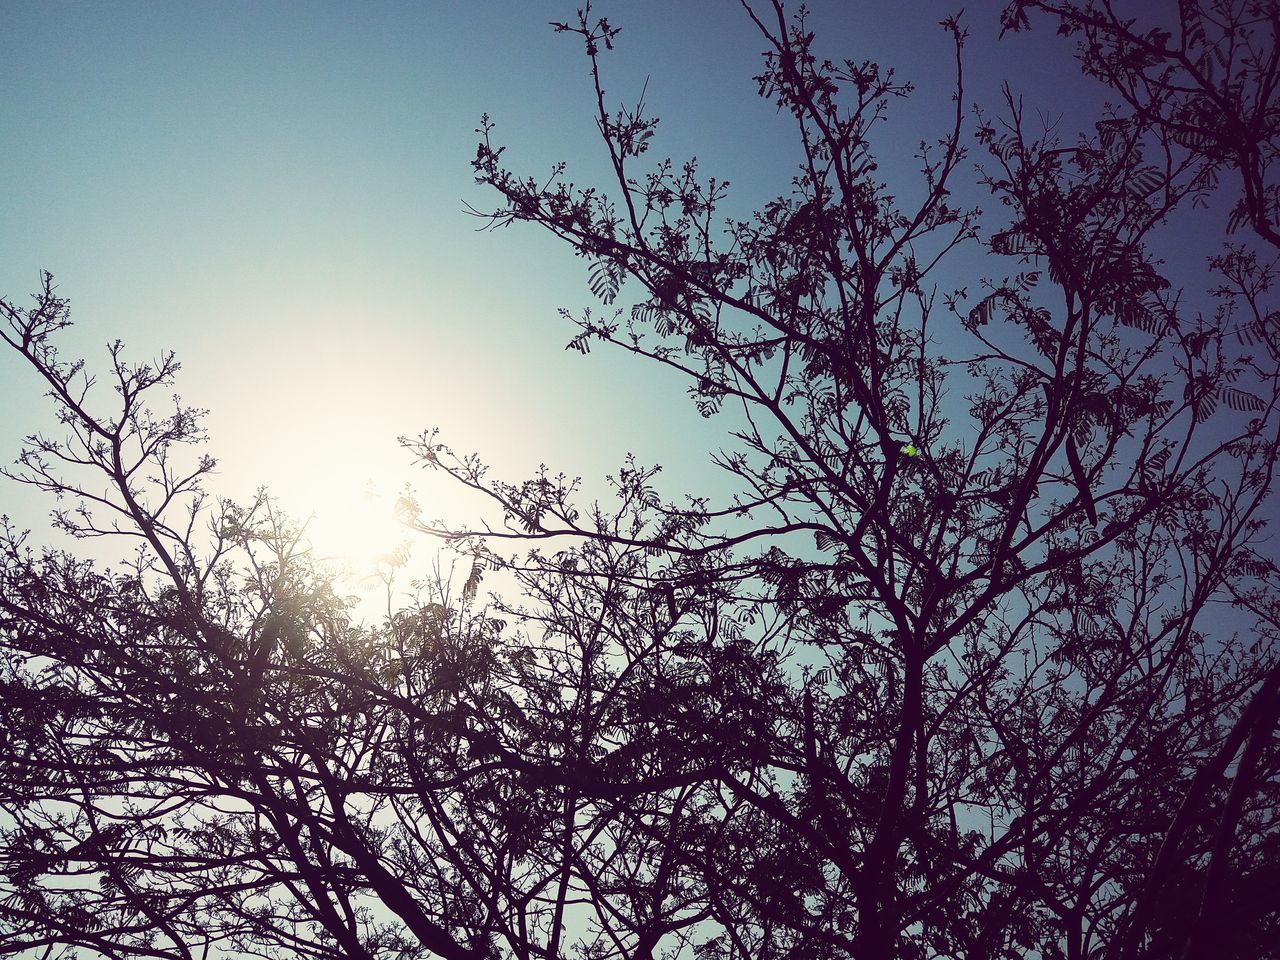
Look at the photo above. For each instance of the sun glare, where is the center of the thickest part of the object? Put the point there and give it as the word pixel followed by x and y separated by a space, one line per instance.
pixel 357 530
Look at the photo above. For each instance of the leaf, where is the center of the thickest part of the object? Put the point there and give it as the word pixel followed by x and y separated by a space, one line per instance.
pixel 1009 243
pixel 825 541
pixel 1044 335
pixel 1109 252
pixel 581 342
pixel 1132 312
pixel 1237 216
pixel 1192 23
pixel 1205 63
pixel 1145 181
pixel 605 280
pixel 651 312
pixel 1194 138
pixel 1202 397
pixel 1004 147
pixel 1159 458
pixel 983 312
pixel 473 581
pixel 1261 329
pixel 1107 130
pixel 1242 400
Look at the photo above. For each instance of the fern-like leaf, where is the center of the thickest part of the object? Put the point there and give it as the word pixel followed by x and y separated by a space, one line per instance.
pixel 1011 243
pixel 1202 397
pixel 473 581
pixel 605 280
pixel 983 313
pixel 581 343
pixel 1132 312
pixel 1238 399
pixel 1145 182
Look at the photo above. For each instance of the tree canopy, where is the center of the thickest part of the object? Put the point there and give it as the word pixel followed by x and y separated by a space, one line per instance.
pixel 942 677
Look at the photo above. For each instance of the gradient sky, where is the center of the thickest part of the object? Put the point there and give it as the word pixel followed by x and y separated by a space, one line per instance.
pixel 275 191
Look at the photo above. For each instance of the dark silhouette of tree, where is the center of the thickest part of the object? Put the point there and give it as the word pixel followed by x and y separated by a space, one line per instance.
pixel 1005 614
pixel 938 679
pixel 1201 81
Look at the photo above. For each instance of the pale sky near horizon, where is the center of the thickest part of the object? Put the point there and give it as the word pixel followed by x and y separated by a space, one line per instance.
pixel 276 192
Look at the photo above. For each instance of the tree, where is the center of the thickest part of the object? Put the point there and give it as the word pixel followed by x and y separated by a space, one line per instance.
pixel 936 681
pixel 1052 524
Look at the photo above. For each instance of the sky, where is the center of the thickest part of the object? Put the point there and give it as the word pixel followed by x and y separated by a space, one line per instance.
pixel 277 191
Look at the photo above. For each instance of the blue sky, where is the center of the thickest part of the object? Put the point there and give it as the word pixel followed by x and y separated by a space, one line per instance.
pixel 275 191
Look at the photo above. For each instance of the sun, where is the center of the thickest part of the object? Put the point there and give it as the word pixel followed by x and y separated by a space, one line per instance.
pixel 358 530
